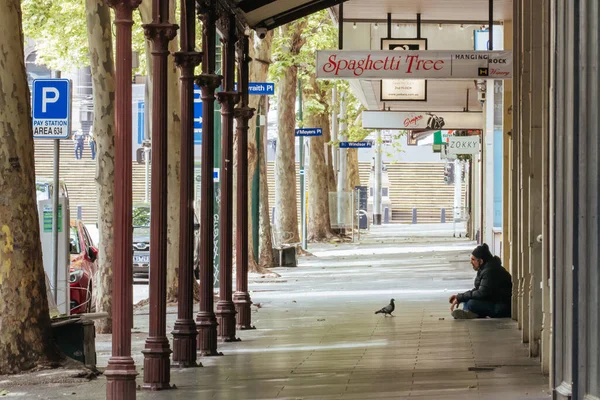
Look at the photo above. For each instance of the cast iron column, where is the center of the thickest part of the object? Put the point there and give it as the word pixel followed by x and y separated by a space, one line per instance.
pixel 227 99
pixel 157 365
pixel 120 373
pixel 185 331
pixel 208 82
pixel 241 297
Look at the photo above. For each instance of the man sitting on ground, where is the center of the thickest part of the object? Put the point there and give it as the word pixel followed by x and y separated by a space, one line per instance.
pixel 491 296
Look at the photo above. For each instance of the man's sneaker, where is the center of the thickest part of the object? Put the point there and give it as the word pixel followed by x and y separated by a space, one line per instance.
pixel 462 314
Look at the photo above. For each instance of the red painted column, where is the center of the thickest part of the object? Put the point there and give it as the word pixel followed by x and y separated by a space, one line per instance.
pixel 241 297
pixel 157 363
pixel 227 99
pixel 208 82
pixel 121 373
pixel 185 331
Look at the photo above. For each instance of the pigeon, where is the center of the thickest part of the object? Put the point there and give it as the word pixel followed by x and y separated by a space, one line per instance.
pixel 387 310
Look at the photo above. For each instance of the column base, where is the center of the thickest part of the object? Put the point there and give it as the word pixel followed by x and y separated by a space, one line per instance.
pixel 157 364
pixel 184 344
pixel 243 317
pixel 376 219
pixel 206 343
pixel 226 319
pixel 120 378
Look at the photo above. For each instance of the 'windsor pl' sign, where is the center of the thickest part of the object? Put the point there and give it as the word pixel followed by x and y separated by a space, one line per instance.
pixel 390 64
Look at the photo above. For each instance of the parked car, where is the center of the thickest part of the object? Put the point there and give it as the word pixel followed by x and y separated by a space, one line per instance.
pixel 83 267
pixel 141 238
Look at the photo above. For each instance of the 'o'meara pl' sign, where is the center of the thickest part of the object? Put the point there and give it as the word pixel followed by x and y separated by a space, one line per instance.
pixel 414 64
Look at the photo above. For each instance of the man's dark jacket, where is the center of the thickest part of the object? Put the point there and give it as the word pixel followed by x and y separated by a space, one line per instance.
pixel 492 283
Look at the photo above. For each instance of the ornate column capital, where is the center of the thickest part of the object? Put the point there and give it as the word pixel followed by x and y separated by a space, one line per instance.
pixel 160 33
pixel 124 4
pixel 210 81
pixel 228 99
pixel 185 59
pixel 244 113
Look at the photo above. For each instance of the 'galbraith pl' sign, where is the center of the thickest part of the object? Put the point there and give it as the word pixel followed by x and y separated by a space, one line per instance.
pixel 390 64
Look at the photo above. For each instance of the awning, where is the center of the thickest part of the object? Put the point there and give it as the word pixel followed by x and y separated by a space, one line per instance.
pixel 270 14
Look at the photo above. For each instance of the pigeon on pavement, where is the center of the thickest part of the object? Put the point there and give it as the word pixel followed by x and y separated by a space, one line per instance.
pixel 387 310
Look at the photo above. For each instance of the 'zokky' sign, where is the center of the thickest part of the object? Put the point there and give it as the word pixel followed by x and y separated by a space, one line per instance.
pixel 463 145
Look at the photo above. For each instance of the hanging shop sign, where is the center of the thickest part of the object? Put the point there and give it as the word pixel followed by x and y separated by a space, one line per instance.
pixel 390 64
pixel 463 145
pixel 421 120
pixel 404 89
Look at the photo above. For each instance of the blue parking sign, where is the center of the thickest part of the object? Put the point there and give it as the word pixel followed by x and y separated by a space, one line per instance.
pixel 51 108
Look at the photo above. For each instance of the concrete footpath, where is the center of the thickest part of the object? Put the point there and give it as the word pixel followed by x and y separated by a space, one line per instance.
pixel 317 336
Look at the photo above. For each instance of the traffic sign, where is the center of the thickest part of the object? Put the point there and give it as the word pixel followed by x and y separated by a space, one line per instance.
pixel 51 108
pixel 355 145
pixel 301 172
pixel 309 132
pixel 216 175
pixel 197 115
pixel 261 88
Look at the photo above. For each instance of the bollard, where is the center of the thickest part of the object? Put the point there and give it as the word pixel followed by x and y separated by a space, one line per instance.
pixel 79 212
pixel 414 215
pixel 443 216
pixel 386 215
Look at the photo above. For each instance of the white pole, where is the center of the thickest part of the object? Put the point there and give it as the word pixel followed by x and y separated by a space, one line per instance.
pixel 457 189
pixel 342 171
pixel 334 129
pixel 378 178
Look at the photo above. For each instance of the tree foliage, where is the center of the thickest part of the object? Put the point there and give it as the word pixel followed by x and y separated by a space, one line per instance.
pixel 60 34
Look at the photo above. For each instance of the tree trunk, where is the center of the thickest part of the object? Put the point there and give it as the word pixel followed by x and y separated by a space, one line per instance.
pixel 260 52
pixel 25 333
pixel 265 230
pixel 319 223
pixel 103 83
pixel 352 168
pixel 173 157
pixel 286 213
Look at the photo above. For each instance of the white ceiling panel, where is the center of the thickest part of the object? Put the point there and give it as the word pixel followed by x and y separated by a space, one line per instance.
pixel 449 10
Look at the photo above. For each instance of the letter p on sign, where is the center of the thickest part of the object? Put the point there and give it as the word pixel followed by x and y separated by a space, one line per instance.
pixel 49 95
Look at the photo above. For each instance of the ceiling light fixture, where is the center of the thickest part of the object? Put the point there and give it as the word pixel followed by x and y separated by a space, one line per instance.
pixel 440 27
pixel 376 26
pixel 354 26
pixel 397 26
pixel 462 27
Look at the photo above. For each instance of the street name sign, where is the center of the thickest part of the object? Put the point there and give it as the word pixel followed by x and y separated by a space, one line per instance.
pixel 355 145
pixel 261 88
pixel 301 132
pixel 51 108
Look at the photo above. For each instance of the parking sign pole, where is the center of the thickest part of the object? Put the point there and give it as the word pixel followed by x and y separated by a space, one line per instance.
pixel 55 213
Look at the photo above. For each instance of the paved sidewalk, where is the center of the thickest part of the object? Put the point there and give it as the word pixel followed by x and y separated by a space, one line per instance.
pixel 318 336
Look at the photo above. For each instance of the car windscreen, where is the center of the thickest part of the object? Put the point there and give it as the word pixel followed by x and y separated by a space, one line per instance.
pixel 74 245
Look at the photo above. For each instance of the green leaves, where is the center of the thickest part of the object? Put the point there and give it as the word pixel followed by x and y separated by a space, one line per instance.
pixel 59 30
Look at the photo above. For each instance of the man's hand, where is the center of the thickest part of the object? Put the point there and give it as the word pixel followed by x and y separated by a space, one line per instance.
pixel 452 299
pixel 454 304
